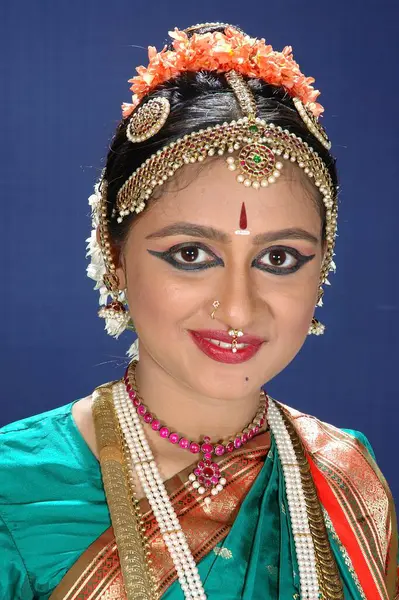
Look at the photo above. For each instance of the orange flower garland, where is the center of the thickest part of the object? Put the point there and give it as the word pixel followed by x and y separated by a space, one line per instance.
pixel 223 52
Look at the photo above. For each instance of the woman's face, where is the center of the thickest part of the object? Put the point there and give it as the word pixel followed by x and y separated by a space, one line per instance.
pixel 266 279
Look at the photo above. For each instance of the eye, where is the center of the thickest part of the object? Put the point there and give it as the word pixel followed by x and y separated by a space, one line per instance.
pixel 281 260
pixel 189 257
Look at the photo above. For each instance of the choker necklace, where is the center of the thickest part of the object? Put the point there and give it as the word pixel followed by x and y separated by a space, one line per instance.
pixel 206 475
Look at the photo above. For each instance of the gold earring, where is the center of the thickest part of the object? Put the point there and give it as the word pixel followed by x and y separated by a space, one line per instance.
pixel 115 314
pixel 316 328
pixel 215 305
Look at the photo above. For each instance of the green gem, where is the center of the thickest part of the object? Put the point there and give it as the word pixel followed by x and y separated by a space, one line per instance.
pixel 253 128
pixel 257 159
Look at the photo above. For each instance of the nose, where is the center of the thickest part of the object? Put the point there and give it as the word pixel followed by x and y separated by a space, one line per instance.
pixel 238 299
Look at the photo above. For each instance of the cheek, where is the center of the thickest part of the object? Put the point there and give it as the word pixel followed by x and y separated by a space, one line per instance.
pixel 160 302
pixel 292 304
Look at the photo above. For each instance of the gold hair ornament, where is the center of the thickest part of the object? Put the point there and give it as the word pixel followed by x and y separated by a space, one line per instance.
pixel 312 123
pixel 147 120
pixel 193 28
pixel 260 148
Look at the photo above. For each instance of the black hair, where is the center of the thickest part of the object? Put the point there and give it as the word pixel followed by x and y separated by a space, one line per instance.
pixel 198 100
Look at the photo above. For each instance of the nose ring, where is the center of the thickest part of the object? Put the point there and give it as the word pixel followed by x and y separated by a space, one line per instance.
pixel 215 305
pixel 235 334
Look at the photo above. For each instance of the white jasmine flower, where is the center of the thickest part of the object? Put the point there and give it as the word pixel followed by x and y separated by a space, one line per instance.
pixel 133 351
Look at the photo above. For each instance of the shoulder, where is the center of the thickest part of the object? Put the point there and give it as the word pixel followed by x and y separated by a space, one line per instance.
pixel 40 448
pixel 32 422
pixel 51 487
pixel 317 434
pixel 22 440
pixel 345 460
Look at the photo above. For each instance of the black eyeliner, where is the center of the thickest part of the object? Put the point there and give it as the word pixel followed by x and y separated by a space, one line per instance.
pixel 167 256
pixel 300 258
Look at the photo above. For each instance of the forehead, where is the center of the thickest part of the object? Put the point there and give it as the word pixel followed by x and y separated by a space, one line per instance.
pixel 209 194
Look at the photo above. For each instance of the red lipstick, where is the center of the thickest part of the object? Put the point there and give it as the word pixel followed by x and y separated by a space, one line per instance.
pixel 201 339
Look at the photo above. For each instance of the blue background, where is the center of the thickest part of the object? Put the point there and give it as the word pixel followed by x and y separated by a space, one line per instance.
pixel 65 66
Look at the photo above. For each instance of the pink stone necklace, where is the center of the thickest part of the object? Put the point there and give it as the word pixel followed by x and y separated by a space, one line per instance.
pixel 206 475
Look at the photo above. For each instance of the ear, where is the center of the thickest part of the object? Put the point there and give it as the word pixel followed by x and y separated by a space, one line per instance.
pixel 121 271
pixel 324 247
pixel 118 260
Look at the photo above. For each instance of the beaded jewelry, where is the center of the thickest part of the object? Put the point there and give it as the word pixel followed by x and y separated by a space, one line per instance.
pixel 148 120
pixel 318 574
pixel 206 476
pixel 312 123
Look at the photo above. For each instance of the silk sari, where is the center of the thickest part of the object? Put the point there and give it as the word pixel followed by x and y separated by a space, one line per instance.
pixel 243 542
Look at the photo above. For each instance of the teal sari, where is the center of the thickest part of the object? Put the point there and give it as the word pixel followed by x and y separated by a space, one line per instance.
pixel 243 543
pixel 257 558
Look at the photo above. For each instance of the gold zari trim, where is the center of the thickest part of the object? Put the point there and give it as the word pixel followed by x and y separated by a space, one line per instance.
pixel 327 570
pixel 124 514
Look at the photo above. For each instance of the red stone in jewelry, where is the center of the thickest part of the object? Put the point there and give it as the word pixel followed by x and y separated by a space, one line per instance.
pixel 206 475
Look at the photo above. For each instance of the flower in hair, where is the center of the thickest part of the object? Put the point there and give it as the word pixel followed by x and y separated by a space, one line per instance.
pixel 223 52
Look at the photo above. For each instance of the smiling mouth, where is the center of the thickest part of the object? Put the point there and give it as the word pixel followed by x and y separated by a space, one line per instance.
pixel 225 344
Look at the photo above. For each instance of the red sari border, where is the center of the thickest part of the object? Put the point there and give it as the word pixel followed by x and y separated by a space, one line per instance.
pixel 344 532
pixel 357 499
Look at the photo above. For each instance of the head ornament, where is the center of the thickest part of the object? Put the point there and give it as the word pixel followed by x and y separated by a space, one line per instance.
pixel 147 120
pixel 222 52
pixel 256 150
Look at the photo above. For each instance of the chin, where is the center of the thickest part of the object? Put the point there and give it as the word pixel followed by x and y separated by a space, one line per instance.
pixel 225 381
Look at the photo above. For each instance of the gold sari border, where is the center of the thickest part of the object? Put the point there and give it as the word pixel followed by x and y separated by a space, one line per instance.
pixel 136 575
pixel 361 491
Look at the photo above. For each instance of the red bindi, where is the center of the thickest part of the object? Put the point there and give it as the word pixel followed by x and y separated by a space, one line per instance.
pixel 243 217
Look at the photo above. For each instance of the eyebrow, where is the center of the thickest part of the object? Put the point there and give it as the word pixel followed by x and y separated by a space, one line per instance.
pixel 210 233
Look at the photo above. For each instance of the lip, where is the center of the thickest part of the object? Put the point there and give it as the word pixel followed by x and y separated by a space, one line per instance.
pixel 223 336
pixel 225 355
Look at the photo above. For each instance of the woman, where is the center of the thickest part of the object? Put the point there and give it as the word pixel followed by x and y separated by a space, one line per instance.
pixel 214 230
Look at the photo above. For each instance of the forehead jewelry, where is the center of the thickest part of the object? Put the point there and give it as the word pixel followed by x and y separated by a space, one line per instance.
pixel 243 222
pixel 256 151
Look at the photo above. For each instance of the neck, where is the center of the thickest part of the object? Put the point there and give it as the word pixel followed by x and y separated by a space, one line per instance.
pixel 189 413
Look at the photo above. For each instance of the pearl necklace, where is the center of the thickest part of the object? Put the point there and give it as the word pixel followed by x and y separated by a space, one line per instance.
pixel 304 547
pixel 143 463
